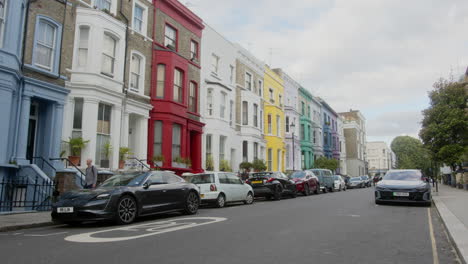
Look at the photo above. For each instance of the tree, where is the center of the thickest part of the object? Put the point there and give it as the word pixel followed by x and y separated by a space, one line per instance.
pixel 445 123
pixel 326 163
pixel 259 165
pixel 410 153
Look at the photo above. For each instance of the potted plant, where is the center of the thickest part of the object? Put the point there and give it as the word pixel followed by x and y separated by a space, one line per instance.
pixel 158 160
pixel 178 162
pixel 259 165
pixel 107 149
pixel 224 166
pixel 76 145
pixel 209 164
pixel 188 162
pixel 123 152
pixel 245 168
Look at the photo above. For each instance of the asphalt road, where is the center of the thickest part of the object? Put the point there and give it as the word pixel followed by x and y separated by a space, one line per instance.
pixel 341 227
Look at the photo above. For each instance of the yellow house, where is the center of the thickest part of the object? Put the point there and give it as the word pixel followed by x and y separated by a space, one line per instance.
pixel 273 96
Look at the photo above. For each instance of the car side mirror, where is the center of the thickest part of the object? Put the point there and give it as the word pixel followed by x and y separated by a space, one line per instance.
pixel 147 184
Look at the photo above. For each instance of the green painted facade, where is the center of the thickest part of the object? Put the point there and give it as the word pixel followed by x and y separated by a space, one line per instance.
pixel 306 127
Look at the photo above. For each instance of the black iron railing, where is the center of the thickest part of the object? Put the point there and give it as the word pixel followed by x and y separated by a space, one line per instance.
pixel 44 162
pixel 27 194
pixel 140 162
pixel 69 163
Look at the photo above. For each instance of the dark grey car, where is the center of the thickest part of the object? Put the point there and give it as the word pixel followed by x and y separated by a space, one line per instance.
pixel 403 186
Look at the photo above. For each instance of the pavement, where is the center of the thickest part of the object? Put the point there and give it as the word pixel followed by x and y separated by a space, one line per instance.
pixel 340 227
pixel 22 220
pixel 453 209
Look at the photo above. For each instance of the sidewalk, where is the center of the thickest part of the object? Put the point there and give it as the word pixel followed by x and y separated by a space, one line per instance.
pixel 15 221
pixel 452 205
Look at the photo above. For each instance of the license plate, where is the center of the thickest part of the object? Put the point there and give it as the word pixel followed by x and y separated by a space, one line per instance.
pixel 202 195
pixel 256 182
pixel 401 194
pixel 65 210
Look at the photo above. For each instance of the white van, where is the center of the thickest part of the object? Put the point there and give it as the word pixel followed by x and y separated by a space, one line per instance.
pixel 221 188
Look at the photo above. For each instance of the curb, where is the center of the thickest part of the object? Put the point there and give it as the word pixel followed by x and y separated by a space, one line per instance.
pixel 25 226
pixel 457 231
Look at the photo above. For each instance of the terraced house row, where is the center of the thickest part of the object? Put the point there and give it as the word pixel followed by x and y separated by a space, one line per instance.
pixel 146 82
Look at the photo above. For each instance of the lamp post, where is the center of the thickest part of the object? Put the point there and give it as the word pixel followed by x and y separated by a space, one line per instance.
pixel 293 126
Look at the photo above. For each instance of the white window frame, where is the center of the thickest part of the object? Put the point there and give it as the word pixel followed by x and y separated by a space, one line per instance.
pixel 209 101
pixel 3 17
pixel 251 80
pixel 112 8
pixel 141 82
pixel 112 56
pixel 166 43
pixel 214 63
pixel 144 19
pixel 222 105
pixel 53 48
pixel 260 87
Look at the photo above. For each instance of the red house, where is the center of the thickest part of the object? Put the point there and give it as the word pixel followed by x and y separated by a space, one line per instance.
pixel 175 130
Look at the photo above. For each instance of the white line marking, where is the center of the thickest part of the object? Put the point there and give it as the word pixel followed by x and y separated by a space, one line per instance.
pixel 44 235
pixel 161 227
pixel 435 255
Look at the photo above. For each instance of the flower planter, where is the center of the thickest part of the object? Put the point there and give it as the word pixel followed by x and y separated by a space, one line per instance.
pixel 75 160
pixel 121 164
pixel 179 165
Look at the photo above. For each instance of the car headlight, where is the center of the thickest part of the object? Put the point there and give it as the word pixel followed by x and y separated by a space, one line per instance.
pixel 103 196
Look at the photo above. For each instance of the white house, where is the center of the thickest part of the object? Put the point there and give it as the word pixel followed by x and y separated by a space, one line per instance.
pixel 317 131
pixel 342 146
pixel 98 109
pixel 218 100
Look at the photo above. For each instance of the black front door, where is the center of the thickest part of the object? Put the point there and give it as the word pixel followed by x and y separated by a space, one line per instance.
pixel 32 129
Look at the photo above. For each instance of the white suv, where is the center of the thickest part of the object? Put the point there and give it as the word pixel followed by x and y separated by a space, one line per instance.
pixel 339 183
pixel 221 188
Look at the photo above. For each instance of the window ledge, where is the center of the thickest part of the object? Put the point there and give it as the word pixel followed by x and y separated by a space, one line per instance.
pixel 215 75
pixel 45 72
pixel 141 34
pixel 138 94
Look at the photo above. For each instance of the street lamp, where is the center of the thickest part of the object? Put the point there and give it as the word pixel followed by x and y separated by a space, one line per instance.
pixel 293 126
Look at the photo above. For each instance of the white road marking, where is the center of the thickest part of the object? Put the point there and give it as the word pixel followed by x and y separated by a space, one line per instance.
pixel 435 255
pixel 150 229
pixel 44 235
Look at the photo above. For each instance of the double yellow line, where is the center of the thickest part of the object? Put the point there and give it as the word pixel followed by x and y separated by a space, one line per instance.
pixel 435 255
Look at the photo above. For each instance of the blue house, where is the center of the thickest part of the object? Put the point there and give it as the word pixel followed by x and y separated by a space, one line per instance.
pixel 32 98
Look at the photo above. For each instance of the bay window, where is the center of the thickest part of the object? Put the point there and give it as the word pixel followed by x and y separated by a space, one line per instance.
pixel 176 140
pixel 103 136
pixel 83 46
pixel 157 150
pixel 108 55
pixel 178 80
pixel 161 77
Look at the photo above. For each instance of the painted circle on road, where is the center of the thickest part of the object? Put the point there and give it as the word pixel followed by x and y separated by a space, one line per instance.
pixel 142 230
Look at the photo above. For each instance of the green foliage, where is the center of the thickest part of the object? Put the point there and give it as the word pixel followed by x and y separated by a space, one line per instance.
pixel 158 158
pixel 179 159
pixel 326 163
pixel 209 163
pixel 107 149
pixel 187 161
pixel 76 145
pixel 123 152
pixel 410 153
pixel 445 123
pixel 224 166
pixel 245 165
pixel 259 165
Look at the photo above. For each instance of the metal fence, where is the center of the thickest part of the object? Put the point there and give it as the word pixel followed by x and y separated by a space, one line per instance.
pixel 26 194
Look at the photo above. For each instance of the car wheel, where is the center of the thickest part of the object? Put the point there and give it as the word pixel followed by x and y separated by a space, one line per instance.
pixel 317 189
pixel 332 189
pixel 192 203
pixel 220 201
pixel 249 199
pixel 344 188
pixel 294 193
pixel 325 190
pixel 306 191
pixel 278 192
pixel 126 210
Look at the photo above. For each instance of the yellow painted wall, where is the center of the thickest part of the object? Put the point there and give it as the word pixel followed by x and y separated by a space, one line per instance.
pixel 275 107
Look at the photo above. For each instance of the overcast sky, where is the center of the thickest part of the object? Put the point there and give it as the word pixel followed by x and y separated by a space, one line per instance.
pixel 378 56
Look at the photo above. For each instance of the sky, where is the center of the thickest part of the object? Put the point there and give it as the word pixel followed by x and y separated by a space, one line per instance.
pixel 377 56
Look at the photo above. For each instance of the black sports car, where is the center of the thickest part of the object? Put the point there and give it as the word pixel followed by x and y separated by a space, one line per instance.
pixel 405 186
pixel 272 185
pixel 124 197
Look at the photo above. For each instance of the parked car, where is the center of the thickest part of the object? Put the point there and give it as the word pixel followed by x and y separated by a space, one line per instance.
pixel 355 182
pixel 326 180
pixel 124 197
pixel 366 180
pixel 219 188
pixel 272 185
pixel 339 183
pixel 306 182
pixel 403 186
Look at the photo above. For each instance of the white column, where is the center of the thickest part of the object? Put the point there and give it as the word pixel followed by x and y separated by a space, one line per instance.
pixel 22 143
pixel 143 137
pixel 115 134
pixel 89 128
pixel 67 127
pixel 125 128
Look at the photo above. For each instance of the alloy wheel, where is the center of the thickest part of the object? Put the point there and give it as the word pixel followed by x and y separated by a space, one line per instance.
pixel 192 203
pixel 221 201
pixel 249 199
pixel 127 210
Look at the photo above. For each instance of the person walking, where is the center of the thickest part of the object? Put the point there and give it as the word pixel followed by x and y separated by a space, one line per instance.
pixel 91 175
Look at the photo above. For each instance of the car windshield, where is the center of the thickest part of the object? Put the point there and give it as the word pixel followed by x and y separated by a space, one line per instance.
pixel 403 176
pixel 355 179
pixel 200 178
pixel 127 179
pixel 336 177
pixel 364 177
pixel 298 174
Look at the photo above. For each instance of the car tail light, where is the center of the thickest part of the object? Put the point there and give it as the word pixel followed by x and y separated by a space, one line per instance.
pixel 270 179
pixel 213 188
pixel 247 181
